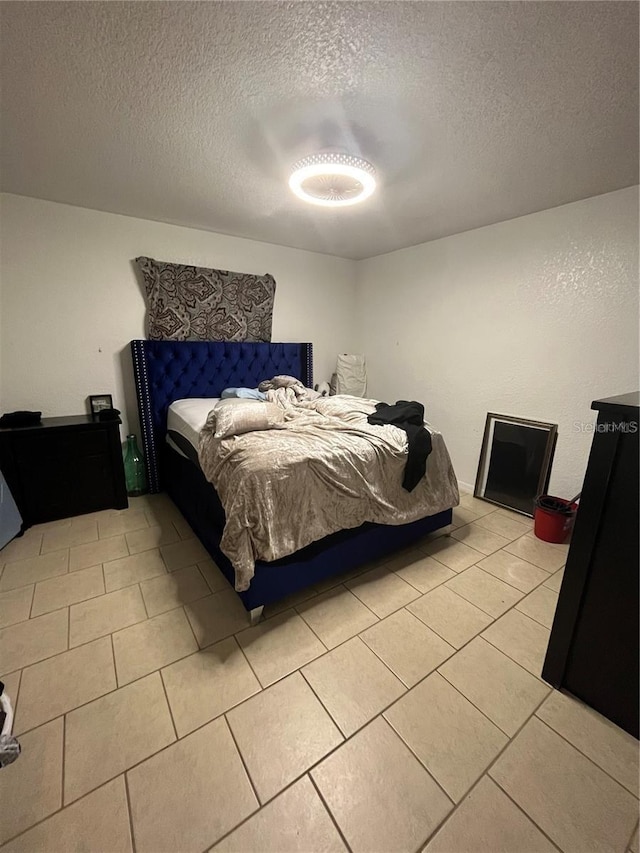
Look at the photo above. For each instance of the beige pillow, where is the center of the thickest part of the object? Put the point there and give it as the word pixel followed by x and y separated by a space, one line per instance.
pixel 236 416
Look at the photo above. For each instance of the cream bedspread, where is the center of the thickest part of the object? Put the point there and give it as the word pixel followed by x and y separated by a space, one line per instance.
pixel 325 470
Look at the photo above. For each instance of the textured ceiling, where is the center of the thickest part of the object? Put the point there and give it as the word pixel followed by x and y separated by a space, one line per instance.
pixel 192 113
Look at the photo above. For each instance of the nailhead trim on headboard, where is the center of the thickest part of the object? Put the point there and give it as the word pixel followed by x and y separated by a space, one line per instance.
pixel 165 371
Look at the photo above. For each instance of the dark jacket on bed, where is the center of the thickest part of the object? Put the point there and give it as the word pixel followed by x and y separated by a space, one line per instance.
pixel 409 416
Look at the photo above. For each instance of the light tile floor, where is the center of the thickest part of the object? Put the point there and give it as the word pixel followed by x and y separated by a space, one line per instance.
pixel 397 708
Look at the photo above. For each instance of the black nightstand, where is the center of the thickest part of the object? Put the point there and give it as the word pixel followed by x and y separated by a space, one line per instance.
pixel 64 467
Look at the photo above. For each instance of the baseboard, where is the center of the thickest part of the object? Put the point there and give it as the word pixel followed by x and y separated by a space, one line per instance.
pixel 466 487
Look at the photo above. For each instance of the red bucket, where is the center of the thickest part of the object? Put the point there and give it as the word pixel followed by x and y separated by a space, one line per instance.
pixel 554 525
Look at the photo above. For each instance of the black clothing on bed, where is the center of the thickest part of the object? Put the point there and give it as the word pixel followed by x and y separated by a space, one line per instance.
pixel 409 416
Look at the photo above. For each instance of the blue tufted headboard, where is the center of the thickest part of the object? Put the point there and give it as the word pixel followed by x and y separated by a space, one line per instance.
pixel 165 371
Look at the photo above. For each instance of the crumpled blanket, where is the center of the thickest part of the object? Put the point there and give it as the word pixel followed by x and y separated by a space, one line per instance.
pixel 290 388
pixel 325 469
pixel 285 397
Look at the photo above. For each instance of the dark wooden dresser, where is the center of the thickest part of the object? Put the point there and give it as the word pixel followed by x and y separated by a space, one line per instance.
pixel 593 648
pixel 64 467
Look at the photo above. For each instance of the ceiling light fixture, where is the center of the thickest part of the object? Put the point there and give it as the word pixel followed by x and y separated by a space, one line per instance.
pixel 332 179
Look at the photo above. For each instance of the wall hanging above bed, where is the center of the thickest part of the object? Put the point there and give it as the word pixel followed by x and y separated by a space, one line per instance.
pixel 199 304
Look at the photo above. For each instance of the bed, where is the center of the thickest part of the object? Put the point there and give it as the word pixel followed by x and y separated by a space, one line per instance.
pixel 166 371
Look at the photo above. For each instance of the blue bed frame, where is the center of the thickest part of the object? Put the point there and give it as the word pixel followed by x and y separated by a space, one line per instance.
pixel 165 371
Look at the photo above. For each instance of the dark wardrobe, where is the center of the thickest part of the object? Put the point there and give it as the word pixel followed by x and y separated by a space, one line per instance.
pixel 593 648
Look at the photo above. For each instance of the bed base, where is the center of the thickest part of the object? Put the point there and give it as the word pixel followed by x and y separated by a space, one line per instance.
pixel 198 501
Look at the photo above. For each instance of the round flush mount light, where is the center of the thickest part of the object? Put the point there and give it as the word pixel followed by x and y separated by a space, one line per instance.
pixel 333 179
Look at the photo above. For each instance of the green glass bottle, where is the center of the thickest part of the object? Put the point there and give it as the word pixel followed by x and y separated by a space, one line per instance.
pixel 134 472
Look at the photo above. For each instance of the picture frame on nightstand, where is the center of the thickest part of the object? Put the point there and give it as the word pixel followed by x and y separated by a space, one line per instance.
pixel 98 402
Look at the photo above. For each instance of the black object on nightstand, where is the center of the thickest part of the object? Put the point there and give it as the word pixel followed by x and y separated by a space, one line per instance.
pixel 593 648
pixel 63 467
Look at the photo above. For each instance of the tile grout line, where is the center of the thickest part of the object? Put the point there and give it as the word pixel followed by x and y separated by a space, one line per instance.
pixel 521 810
pixel 255 812
pixel 497 648
pixel 584 754
pixel 253 672
pixel 188 621
pixel 529 533
pixel 533 618
pixel 332 589
pixel 104 578
pixel 63 762
pixel 458 649
pixel 40 660
pixel 490 532
pixel 493 616
pixel 244 820
pixel 144 603
pixel 395 609
pixel 457 571
pixel 64 548
pixel 549 572
pixel 166 697
pixel 33 598
pixel 486 773
pixel 540 719
pixel 419 760
pixel 244 763
pixel 309 769
pixel 436 671
pixel 127 795
pixel 421 593
pixel 345 737
pixel 263 687
pixel 17 696
pixel 329 812
pixel 525 593
pixel 486 628
pixel 121 772
pixel 134 680
pixel 381 659
pixel 115 668
pixel 328 648
pixel 62 606
pixel 62 808
pixel 107 633
pixel 543 683
pixel 628 847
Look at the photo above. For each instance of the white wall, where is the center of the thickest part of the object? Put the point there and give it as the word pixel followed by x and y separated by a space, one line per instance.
pixel 534 317
pixel 71 300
